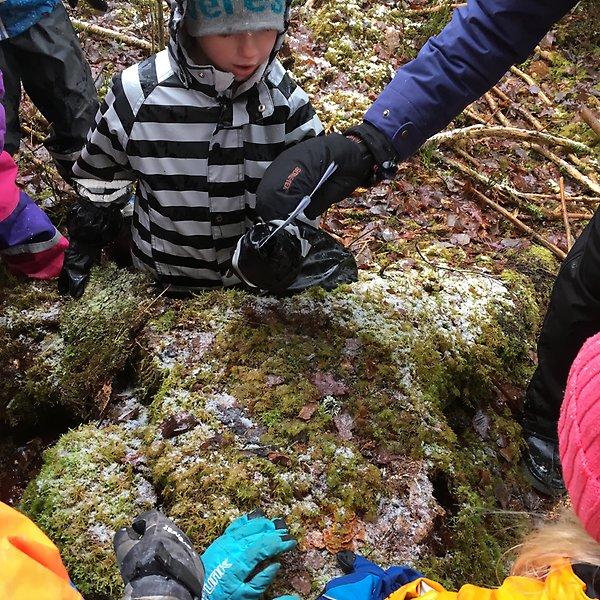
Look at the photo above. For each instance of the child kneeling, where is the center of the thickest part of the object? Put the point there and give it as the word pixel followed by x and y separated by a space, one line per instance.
pixel 196 126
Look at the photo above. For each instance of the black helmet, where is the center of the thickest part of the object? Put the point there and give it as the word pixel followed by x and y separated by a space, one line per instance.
pixel 270 265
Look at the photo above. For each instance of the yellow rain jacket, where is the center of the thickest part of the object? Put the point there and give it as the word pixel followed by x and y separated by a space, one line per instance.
pixel 30 564
pixel 561 584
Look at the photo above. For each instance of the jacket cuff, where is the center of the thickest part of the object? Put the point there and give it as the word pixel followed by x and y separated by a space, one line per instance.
pixel 383 152
pixel 391 115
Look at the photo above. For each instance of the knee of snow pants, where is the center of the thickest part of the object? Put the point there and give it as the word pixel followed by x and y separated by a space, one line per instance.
pixel 573 316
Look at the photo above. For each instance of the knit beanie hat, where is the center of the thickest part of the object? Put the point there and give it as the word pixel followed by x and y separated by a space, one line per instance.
pixel 579 436
pixel 217 17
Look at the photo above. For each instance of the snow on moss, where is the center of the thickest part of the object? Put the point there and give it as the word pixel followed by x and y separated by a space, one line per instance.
pixel 88 488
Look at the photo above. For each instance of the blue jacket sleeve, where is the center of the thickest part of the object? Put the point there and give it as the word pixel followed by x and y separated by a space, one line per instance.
pixel 453 69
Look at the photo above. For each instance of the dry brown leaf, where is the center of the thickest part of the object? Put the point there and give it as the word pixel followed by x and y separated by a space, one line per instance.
pixel 307 411
pixel 103 396
pixel 315 539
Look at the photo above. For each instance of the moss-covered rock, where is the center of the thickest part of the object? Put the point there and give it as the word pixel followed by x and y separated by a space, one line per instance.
pixel 93 482
pixel 364 415
pixel 61 354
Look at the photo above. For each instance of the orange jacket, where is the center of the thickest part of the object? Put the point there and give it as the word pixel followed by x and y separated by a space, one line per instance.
pixel 561 584
pixel 30 564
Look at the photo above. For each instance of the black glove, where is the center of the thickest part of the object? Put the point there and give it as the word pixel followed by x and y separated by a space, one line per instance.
pixel 90 229
pixel 99 5
pixel 157 560
pixel 363 156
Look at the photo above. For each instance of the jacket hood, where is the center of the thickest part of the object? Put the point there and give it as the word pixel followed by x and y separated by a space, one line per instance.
pixel 185 67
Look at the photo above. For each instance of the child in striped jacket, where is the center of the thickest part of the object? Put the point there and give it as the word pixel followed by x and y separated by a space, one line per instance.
pixel 195 127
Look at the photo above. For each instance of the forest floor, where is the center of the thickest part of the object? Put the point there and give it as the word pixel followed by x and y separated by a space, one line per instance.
pixel 444 191
pixel 452 192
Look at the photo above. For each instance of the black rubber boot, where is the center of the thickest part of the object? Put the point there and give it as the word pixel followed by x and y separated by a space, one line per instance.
pixel 573 316
pixel 541 464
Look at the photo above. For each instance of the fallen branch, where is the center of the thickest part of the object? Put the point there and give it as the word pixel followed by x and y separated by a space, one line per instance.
pixel 504 188
pixel 160 17
pixel 473 114
pixel 567 168
pixel 110 34
pixel 591 119
pixel 531 81
pixel 592 168
pixel 519 224
pixel 496 112
pixel 585 199
pixel 529 135
pixel 432 9
pixel 565 215
pixel 520 109
pixel 33 133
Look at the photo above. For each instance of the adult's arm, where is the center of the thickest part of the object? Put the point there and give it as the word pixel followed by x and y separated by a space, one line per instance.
pixel 453 69
pixel 459 65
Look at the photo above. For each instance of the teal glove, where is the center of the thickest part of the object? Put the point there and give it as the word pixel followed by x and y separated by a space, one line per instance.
pixel 235 563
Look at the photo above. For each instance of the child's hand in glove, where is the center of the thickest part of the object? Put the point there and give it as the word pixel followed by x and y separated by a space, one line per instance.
pixel 236 564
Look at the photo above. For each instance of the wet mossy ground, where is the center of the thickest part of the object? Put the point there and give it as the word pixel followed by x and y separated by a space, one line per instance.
pixel 60 354
pixel 371 417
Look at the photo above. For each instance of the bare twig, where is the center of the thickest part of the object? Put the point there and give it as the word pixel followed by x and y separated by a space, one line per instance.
pixel 473 114
pixel 495 110
pixel 519 224
pixel 503 188
pixel 519 108
pixel 160 17
pixel 592 166
pixel 531 81
pixel 585 199
pixel 529 135
pixel 567 168
pixel 565 215
pixel 152 30
pixel 432 9
pixel 112 35
pixel 591 119
pixel 33 133
pixel 518 196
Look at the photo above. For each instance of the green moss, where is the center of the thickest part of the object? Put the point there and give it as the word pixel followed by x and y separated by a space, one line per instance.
pixel 97 331
pixel 87 464
pixel 81 348
pixel 299 401
pixel 536 266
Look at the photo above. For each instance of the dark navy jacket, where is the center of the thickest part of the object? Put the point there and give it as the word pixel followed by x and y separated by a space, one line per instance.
pixel 459 65
pixel 16 16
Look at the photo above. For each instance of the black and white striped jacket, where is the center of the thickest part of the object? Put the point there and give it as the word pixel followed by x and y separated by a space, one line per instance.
pixel 197 153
